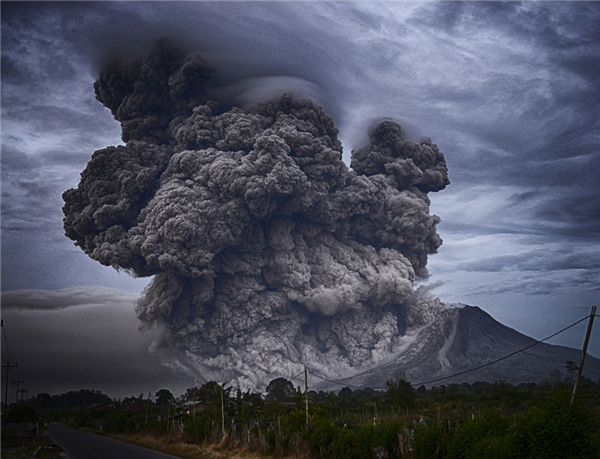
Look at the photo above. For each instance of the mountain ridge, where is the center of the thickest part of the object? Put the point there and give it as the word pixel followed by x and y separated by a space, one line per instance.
pixel 470 344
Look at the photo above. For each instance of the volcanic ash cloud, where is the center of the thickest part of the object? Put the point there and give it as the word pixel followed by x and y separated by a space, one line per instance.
pixel 267 252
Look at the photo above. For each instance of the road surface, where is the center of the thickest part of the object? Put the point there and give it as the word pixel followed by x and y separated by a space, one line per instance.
pixel 84 445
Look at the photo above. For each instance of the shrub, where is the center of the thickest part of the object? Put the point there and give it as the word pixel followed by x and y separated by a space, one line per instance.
pixel 429 442
pixel 475 434
pixel 557 431
pixel 322 437
pixel 20 413
pixel 200 428
pixel 118 423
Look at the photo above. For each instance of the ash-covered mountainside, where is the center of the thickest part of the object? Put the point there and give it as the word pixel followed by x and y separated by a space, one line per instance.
pixel 267 252
pixel 465 337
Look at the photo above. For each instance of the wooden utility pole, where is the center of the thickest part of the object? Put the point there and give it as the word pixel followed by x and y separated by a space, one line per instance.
pixel 22 392
pixel 194 407
pixel 222 414
pixel 18 390
pixel 147 405
pixel 306 395
pixel 7 367
pixel 168 414
pixel 583 352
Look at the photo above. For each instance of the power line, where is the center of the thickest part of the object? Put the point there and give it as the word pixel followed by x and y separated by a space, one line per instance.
pixel 6 363
pixel 6 340
pixel 2 358
pixel 342 384
pixel 460 373
pixel 296 376
pixel 465 371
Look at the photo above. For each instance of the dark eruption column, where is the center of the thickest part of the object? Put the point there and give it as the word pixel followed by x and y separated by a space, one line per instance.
pixel 267 252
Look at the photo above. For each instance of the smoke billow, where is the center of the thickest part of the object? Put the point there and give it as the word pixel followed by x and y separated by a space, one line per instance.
pixel 268 253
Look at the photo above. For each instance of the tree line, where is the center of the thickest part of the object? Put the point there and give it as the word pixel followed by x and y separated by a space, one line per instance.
pixel 468 420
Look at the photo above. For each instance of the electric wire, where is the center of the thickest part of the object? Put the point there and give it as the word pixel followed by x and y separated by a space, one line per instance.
pixel 460 373
pixel 345 384
pixel 296 376
pixel 342 384
pixel 19 381
pixel 6 342
pixel 1 357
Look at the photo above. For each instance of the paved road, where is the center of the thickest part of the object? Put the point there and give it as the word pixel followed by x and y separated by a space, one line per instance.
pixel 84 445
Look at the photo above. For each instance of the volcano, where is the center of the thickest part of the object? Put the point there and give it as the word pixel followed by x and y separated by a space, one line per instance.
pixel 461 338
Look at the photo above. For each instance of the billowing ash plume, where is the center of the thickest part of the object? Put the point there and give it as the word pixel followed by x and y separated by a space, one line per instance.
pixel 268 253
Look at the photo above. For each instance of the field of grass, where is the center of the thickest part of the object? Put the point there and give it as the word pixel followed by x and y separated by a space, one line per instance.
pixel 177 445
pixel 449 422
pixel 24 448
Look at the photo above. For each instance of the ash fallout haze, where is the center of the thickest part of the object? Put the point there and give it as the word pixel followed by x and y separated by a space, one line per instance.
pixel 266 179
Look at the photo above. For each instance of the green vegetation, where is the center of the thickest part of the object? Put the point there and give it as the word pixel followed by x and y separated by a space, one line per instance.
pixel 26 447
pixel 463 421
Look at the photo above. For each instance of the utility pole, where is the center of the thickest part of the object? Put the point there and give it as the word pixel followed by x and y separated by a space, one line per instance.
pixel 168 414
pixel 7 367
pixel 18 390
pixel 22 392
pixel 147 405
pixel 583 352
pixel 306 395
pixel 222 413
pixel 194 406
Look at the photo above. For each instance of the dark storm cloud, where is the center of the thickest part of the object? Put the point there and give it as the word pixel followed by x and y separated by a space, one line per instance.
pixel 252 225
pixel 447 18
pixel 29 196
pixel 33 250
pixel 62 299
pixel 531 284
pixel 16 160
pixel 559 260
pixel 542 135
pixel 52 118
pixel 563 210
pixel 48 124
pixel 11 72
pixel 70 340
pixel 507 90
pixel 564 35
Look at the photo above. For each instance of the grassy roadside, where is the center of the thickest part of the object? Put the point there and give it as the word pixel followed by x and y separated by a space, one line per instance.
pixel 25 448
pixel 178 447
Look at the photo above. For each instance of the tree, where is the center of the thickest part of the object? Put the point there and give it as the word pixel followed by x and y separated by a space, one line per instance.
pixel 555 379
pixel 43 400
pixel 192 394
pixel 163 397
pixel 571 368
pixel 20 413
pixel 345 393
pixel 81 397
pixel 401 391
pixel 280 389
pixel 211 393
pixel 299 398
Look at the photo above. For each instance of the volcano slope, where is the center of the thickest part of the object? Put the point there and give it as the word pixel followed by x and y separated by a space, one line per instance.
pixel 461 338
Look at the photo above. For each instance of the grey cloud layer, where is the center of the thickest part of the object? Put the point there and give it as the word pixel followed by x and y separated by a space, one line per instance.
pixel 39 299
pixel 546 106
pixel 83 338
pixel 507 90
pixel 253 226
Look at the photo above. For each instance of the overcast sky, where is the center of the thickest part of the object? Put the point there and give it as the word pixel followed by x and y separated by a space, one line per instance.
pixel 508 91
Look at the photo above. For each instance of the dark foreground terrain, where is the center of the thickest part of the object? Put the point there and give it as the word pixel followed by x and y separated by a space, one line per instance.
pixel 491 420
pixel 85 445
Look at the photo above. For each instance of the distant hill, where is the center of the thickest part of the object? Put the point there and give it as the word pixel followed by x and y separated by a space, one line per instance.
pixel 463 337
